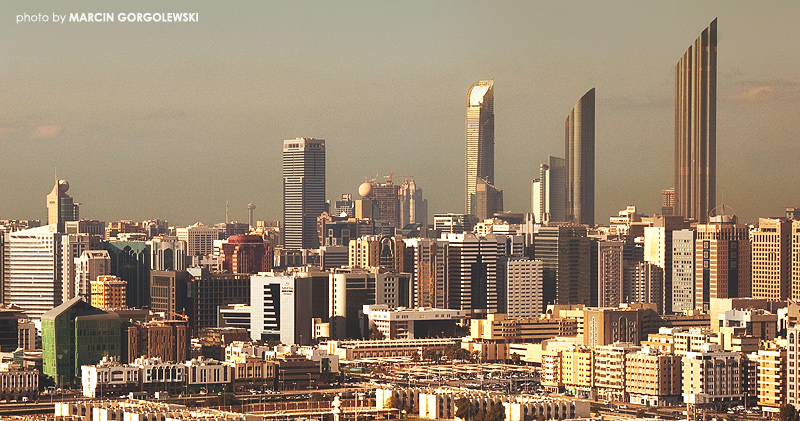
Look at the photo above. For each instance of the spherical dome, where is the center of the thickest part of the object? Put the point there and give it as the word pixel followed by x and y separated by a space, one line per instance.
pixel 365 189
pixel 63 186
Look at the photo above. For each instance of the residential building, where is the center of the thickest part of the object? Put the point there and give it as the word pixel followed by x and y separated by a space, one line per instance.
pixel 713 378
pixel 204 374
pixel 523 279
pixel 771 258
pixel 108 292
pixel 772 378
pixel 683 279
pixel 610 371
pixel 17 383
pixel 610 273
pixel 109 378
pixel 653 378
pixel 72 247
pixel 488 199
pixel 199 240
pixel 792 373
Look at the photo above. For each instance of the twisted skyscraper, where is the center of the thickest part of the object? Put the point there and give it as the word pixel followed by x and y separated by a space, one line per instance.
pixel 696 128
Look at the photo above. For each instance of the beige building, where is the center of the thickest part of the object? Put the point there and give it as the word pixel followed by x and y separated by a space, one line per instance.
pixel 713 378
pixel 722 261
pixel 109 292
pixel 772 258
pixel 577 371
pixel 795 286
pixel 653 378
pixel 793 367
pixel 501 328
pixel 772 369
pixel 692 340
pixel 609 370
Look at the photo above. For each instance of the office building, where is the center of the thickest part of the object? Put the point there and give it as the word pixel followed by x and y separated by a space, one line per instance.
pixel 377 251
pixel 199 240
pixel 472 273
pixel 696 128
pixel 352 289
pixel 209 290
pixel 167 340
pixel 771 258
pixel 167 253
pixel 168 291
pixel 32 269
pixel 72 247
pixel 108 292
pixel 722 260
pixel 549 191
pixel 794 292
pixel 345 207
pixel 76 334
pixel 479 140
pixel 303 191
pixel 428 270
pixel 579 158
pixel 60 206
pixel 90 265
pixel 658 251
pixel 283 306
pixel 407 323
pixel 386 197
pixel 413 208
pixel 668 201
pixel 452 223
pixel 565 253
pixel 247 254
pixel 130 260
pixel 488 200
pixel 85 226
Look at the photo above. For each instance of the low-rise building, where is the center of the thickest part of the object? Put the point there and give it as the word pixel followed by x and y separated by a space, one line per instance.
pixel 609 370
pixel 208 374
pixel 653 378
pixel 109 378
pixel 712 378
pixel 407 323
pixel 159 376
pixel 17 383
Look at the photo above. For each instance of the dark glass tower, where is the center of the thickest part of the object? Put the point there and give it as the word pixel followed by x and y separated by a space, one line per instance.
pixel 696 128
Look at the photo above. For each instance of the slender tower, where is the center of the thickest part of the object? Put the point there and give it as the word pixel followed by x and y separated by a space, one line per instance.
pixel 480 139
pixel 303 191
pixel 579 151
pixel 696 128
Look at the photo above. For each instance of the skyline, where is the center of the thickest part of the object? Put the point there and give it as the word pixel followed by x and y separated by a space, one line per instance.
pixel 100 103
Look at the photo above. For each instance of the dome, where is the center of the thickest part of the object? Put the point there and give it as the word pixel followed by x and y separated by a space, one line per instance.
pixel 365 189
pixel 63 186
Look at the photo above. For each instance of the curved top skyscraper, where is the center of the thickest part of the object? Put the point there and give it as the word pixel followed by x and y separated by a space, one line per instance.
pixel 696 128
pixel 480 139
pixel 579 160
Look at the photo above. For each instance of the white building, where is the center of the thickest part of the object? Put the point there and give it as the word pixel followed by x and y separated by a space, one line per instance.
pixel 159 376
pixel 524 283
pixel 209 374
pixel 72 247
pixel 683 270
pixel 32 270
pixel 107 378
pixel 167 253
pixel 407 323
pixel 16 383
pixel 199 239
pixel 90 265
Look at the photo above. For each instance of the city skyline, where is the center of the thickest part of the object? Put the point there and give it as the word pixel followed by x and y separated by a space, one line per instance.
pixel 143 128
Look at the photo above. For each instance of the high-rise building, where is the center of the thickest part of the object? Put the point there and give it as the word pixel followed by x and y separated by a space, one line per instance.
pixel 130 260
pixel 247 254
pixel 549 191
pixel 696 128
pixel 771 258
pixel 610 273
pixel 167 253
pixel 60 206
pixel 199 239
pixel 523 278
pixel 480 139
pixel 579 155
pixel 345 206
pixel 472 273
pixel 722 261
pixel 644 284
pixel 488 200
pixel 683 242
pixel 658 250
pixel 108 292
pixel 72 247
pixel 429 271
pixel 90 265
pixel 303 191
pixel 413 208
pixel 793 358
pixel 668 201
pixel 565 253
pixel 795 287
pixel 32 269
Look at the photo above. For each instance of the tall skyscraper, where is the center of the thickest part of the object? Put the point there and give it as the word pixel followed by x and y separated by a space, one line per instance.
pixel 303 191
pixel 480 139
pixel 564 250
pixel 579 152
pixel 549 191
pixel 696 128
pixel 32 269
pixel 60 206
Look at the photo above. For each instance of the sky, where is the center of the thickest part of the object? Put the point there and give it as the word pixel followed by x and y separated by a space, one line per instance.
pixel 173 120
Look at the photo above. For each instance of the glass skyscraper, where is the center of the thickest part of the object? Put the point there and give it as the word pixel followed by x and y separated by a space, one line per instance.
pixel 303 191
pixel 480 139
pixel 696 128
pixel 579 152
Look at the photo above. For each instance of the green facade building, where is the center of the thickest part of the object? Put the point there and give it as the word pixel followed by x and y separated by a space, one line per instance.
pixel 76 334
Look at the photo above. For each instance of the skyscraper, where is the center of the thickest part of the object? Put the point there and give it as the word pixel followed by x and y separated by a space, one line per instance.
pixel 548 191
pixel 60 206
pixel 32 269
pixel 303 191
pixel 480 139
pixel 696 128
pixel 579 152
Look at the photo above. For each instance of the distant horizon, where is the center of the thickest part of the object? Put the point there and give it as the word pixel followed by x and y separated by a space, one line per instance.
pixel 171 120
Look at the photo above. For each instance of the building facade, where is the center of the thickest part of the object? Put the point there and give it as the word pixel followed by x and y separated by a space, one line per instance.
pixel 303 191
pixel 579 158
pixel 479 140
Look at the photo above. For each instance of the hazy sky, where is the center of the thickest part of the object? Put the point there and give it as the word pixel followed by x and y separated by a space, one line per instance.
pixel 170 120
